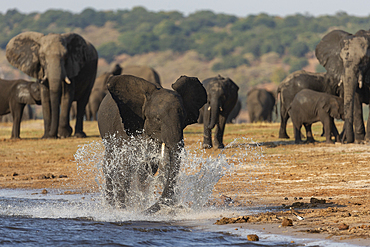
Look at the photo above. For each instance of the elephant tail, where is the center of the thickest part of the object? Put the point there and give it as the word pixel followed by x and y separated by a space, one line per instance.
pixel 278 99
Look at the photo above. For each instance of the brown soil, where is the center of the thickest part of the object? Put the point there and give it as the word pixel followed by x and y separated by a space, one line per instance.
pixel 327 185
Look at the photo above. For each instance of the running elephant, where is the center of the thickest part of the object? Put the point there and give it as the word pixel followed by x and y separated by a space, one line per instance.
pixel 260 105
pixel 222 94
pixel 135 107
pixel 14 96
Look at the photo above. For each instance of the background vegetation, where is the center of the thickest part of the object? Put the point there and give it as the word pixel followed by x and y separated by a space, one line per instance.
pixel 253 50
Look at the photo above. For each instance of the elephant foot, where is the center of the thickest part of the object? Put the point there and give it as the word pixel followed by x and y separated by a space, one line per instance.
pixel 80 135
pixel 65 132
pixel 360 142
pixel 310 140
pixel 162 203
pixel 298 142
pixel 283 136
pixel 207 146
pixel 220 146
pixel 46 136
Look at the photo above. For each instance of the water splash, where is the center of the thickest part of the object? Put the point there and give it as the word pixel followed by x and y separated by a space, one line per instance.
pixel 199 171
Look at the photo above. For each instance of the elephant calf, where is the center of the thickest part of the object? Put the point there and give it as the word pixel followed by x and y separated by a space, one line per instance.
pixel 309 106
pixel 14 95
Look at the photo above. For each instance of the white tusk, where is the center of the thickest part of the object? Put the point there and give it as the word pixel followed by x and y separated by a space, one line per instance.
pixel 340 82
pixel 67 80
pixel 360 81
pixel 209 108
pixel 220 108
pixel 163 146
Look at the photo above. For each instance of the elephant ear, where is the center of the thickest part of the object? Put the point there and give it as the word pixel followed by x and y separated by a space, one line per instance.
pixel 22 52
pixel 130 93
pixel 78 53
pixel 328 52
pixel 194 96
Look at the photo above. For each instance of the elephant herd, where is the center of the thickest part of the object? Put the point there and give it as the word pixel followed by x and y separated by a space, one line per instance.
pixel 131 102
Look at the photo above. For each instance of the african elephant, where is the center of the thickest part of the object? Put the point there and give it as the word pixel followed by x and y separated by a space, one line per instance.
pixel 66 66
pixel 310 106
pixel 14 96
pixel 99 91
pixel 222 95
pixel 297 81
pixel 346 57
pixel 260 105
pixel 135 107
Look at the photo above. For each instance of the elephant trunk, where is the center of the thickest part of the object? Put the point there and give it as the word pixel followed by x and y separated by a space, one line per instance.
pixel 172 146
pixel 171 164
pixel 55 75
pixel 349 95
pixel 214 110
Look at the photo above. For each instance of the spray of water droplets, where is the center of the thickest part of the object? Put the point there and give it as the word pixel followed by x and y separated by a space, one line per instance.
pixel 196 181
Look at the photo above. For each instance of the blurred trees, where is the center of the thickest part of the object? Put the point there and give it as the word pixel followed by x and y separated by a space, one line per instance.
pixel 226 37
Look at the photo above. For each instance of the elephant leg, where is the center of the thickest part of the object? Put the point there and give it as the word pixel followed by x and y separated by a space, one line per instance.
pixel 81 105
pixel 88 111
pixel 17 112
pixel 327 122
pixel 168 194
pixel 309 134
pixel 207 138
pixel 358 120
pixel 297 133
pixel 334 131
pixel 46 109
pixel 65 129
pixel 219 133
pixel 284 116
pixel 368 127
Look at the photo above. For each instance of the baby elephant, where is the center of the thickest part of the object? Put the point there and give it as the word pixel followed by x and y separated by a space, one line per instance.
pixel 14 96
pixel 309 106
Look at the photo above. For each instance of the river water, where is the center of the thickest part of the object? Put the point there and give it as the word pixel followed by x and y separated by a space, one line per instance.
pixel 29 218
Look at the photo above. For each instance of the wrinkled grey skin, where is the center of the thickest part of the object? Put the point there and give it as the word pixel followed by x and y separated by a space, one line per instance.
pixel 297 81
pixel 66 65
pixel 222 95
pixel 346 57
pixel 309 106
pixel 133 105
pixel 260 105
pixel 14 96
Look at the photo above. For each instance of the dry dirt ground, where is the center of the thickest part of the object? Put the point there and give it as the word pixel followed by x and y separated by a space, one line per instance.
pixel 327 185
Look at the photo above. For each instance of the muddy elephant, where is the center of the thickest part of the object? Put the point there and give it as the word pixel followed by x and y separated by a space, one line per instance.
pixel 14 96
pixel 66 65
pixel 297 81
pixel 222 95
pixel 260 105
pixel 310 106
pixel 135 107
pixel 346 57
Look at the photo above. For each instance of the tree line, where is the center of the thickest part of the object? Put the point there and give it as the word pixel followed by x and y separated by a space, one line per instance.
pixel 212 35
